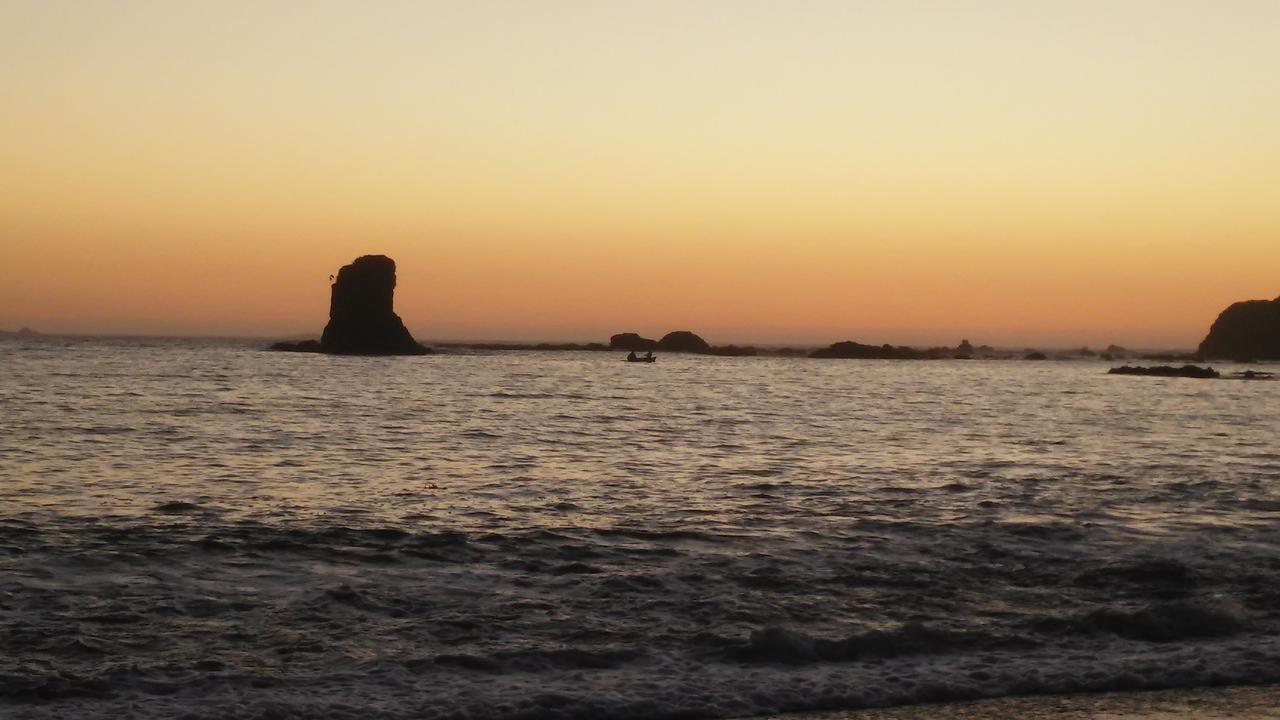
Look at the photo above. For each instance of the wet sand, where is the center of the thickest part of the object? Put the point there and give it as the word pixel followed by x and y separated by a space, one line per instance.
pixel 1236 703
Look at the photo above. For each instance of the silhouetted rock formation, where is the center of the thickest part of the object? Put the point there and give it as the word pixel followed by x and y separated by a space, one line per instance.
pixel 631 341
pixel 683 341
pixel 1035 355
pixel 361 318
pixel 1248 330
pixel 1188 371
pixel 850 350
pixel 312 346
pixel 536 347
pixel 733 351
pixel 1254 375
pixel 1181 357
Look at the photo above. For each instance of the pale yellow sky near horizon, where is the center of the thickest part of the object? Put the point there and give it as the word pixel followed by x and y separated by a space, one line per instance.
pixel 1015 173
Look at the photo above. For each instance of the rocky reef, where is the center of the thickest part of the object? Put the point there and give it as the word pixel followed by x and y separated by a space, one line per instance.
pixel 851 350
pixel 681 341
pixel 1248 330
pixel 362 320
pixel 1187 371
pixel 733 351
pixel 525 347
pixel 305 346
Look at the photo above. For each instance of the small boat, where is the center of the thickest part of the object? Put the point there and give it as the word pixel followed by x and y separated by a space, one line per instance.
pixel 636 358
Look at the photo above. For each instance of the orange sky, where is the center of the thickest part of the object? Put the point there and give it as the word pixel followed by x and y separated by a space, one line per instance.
pixel 1014 173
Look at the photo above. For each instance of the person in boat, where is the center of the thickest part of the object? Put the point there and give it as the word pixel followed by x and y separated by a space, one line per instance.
pixel 648 355
pixel 631 356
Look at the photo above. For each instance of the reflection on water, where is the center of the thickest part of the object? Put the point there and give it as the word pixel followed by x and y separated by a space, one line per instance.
pixel 187 526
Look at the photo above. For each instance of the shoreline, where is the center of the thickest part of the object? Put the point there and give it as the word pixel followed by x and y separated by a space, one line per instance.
pixel 1234 702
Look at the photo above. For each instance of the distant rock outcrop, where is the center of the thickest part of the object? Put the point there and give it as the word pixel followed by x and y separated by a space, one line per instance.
pixel 683 341
pixel 631 341
pixel 1254 375
pixel 733 351
pixel 309 346
pixel 361 318
pixel 850 350
pixel 1248 330
pixel 1187 371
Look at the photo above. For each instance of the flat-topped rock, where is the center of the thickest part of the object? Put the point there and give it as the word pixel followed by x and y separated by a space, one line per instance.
pixel 362 320
pixel 631 341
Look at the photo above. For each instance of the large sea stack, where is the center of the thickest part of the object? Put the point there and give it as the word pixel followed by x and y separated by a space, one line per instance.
pixel 1248 330
pixel 361 319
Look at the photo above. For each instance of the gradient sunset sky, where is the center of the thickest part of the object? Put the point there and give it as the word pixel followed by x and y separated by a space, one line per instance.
pixel 1016 173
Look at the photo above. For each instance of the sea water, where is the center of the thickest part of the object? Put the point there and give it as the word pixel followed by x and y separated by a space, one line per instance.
pixel 201 529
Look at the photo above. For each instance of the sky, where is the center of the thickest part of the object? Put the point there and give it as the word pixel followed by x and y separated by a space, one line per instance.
pixel 1014 173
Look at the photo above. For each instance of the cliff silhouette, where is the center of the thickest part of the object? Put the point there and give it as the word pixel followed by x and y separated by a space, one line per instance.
pixel 1248 330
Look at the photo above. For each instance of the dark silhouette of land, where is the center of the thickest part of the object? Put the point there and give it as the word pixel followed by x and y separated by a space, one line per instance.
pixel 1190 371
pixel 543 347
pixel 362 320
pixel 1248 330
pixel 683 341
pixel 631 342
pixel 1186 371
pixel 850 350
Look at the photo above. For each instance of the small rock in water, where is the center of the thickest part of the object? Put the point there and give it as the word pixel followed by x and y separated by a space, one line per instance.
pixel 176 506
pixel 1254 375
pixel 303 346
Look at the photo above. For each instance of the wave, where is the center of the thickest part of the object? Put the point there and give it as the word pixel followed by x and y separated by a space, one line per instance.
pixel 575 684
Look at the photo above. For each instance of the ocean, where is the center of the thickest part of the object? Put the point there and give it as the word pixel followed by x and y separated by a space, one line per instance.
pixel 201 529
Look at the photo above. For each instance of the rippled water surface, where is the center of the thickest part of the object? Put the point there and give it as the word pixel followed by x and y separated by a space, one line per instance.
pixel 204 530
